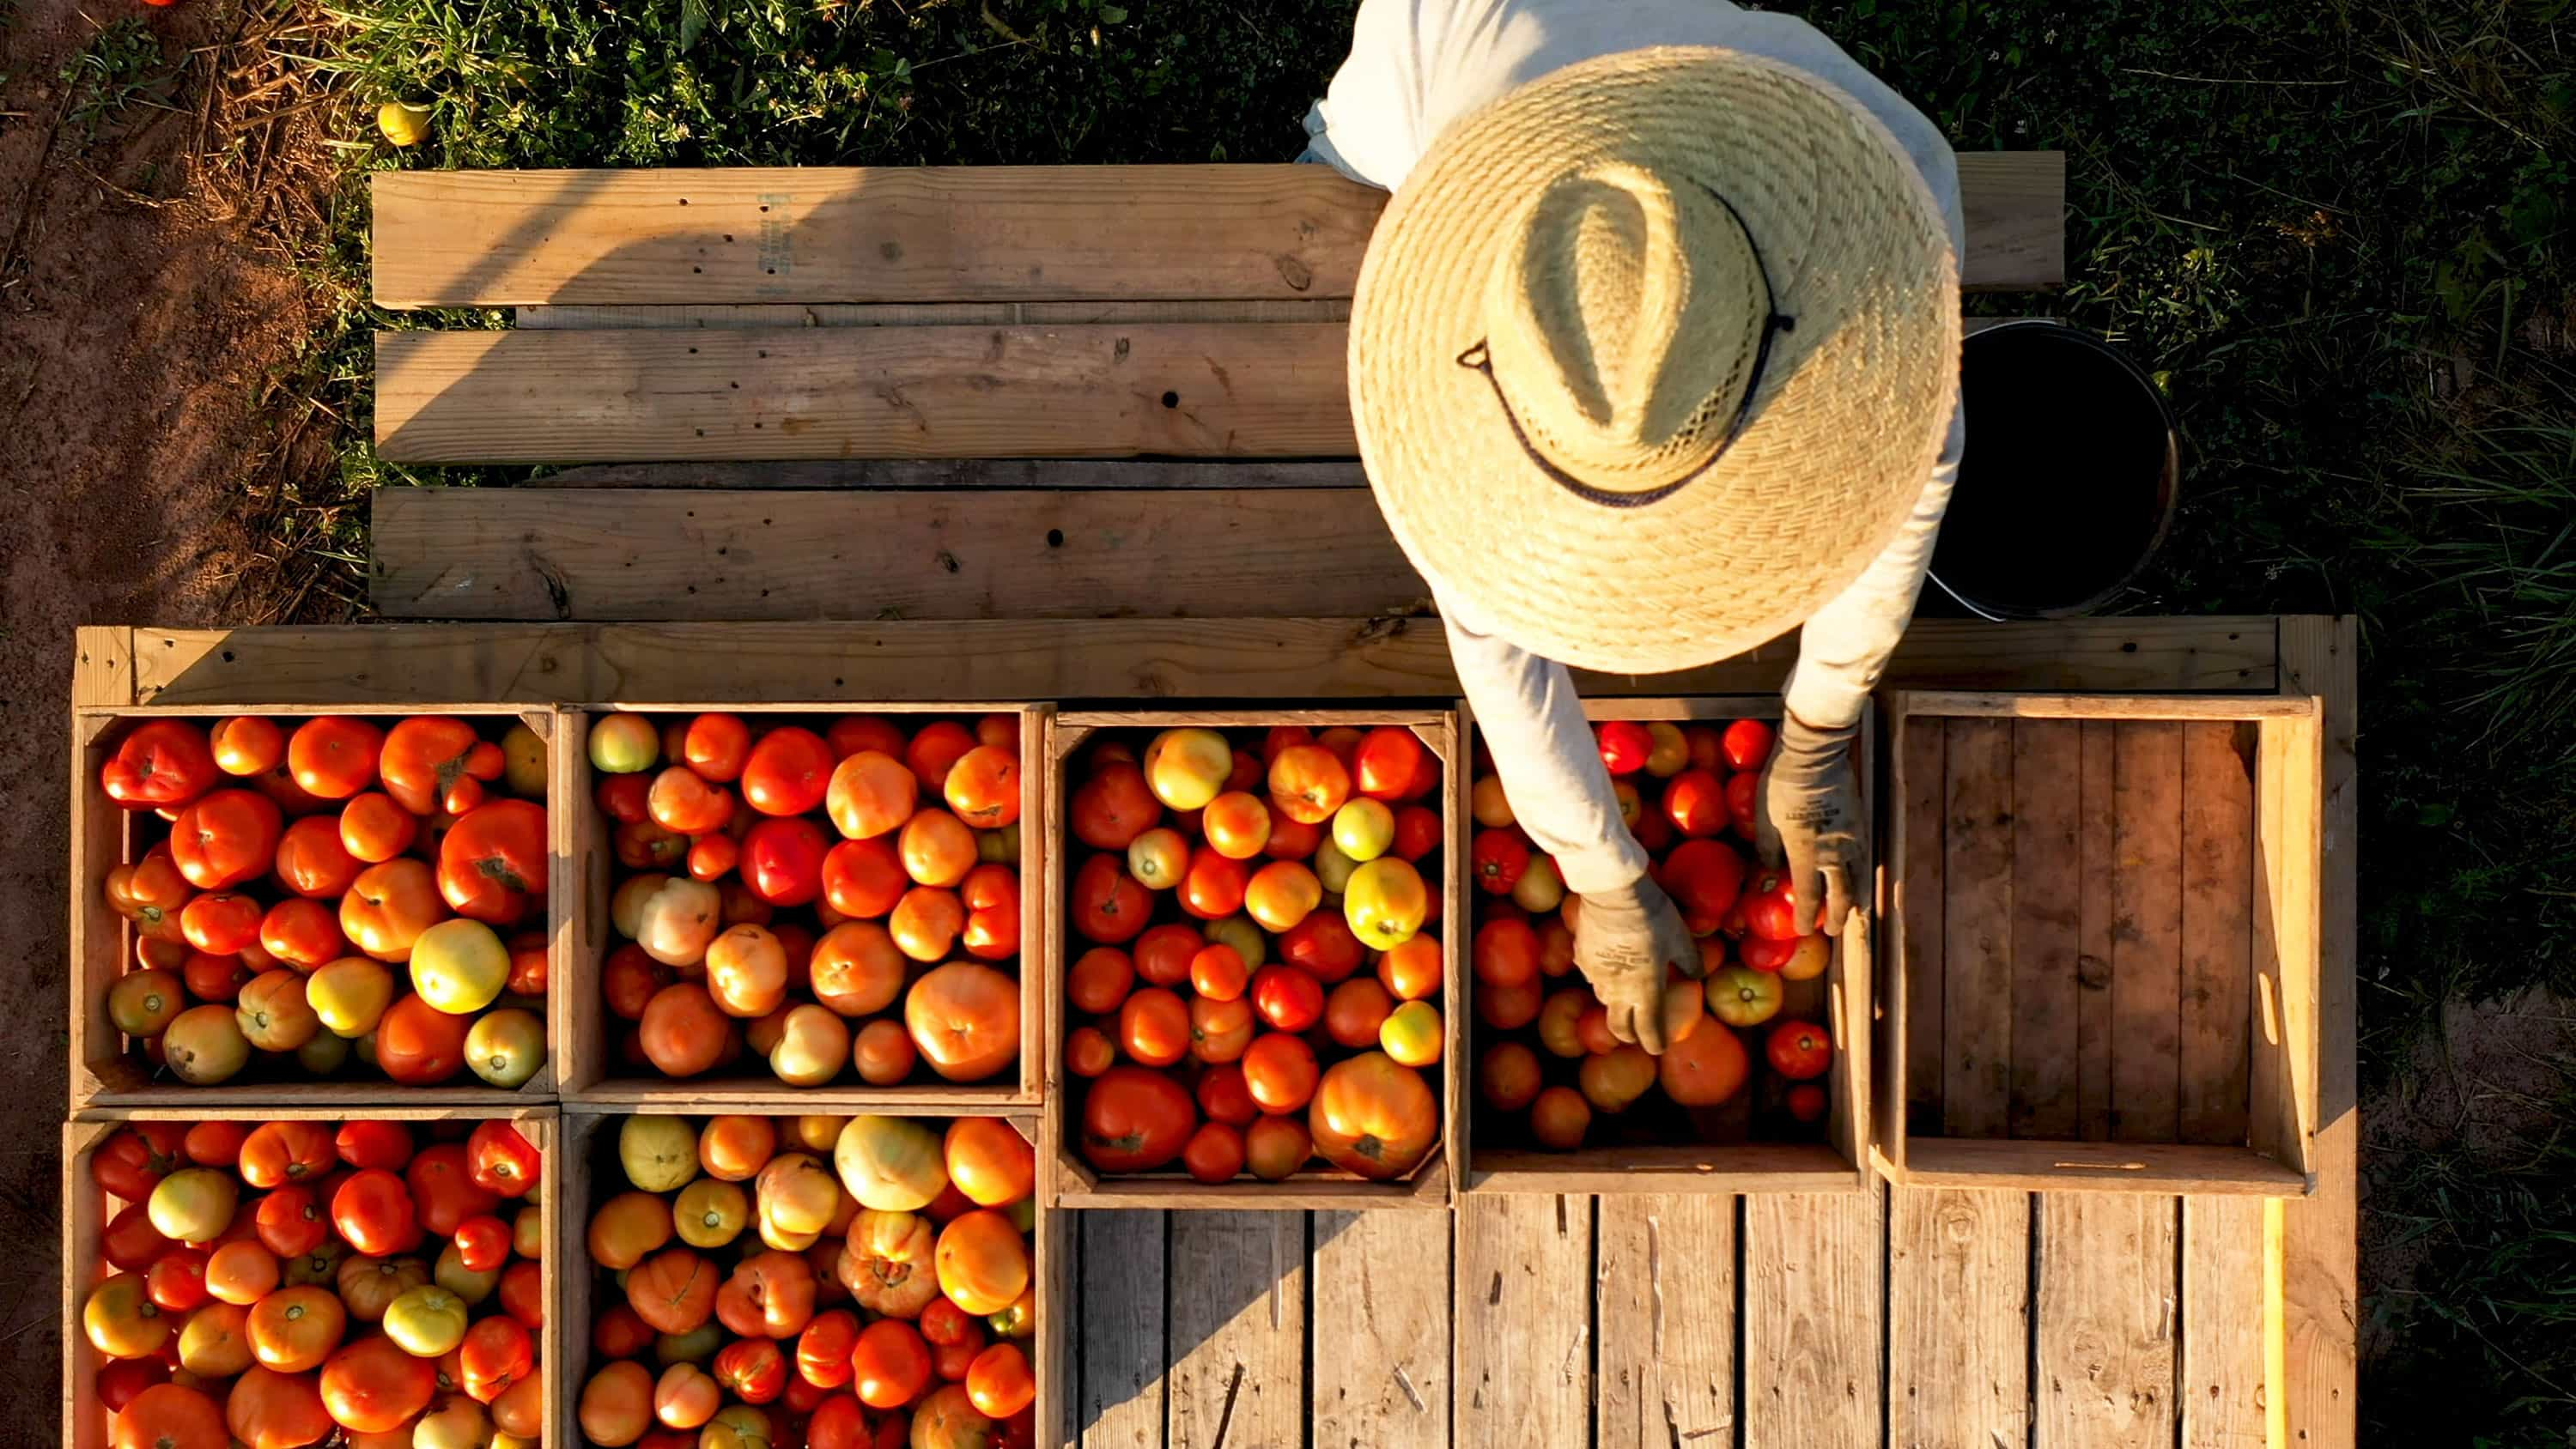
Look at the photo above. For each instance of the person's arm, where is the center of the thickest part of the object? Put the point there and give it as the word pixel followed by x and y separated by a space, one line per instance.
pixel 1809 816
pixel 1627 934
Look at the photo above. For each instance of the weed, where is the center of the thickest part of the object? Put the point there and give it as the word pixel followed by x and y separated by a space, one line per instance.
pixel 120 68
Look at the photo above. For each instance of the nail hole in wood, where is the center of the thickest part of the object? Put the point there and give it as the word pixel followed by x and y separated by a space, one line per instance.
pixel 1171 399
pixel 1055 538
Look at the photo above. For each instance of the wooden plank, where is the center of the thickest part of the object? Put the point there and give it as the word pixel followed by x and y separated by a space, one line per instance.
pixel 2224 1405
pixel 588 318
pixel 2320 1293
pixel 1122 1351
pixel 1084 474
pixel 2217 930
pixel 537 553
pixel 1524 1332
pixel 2152 1167
pixel 2097 832
pixel 1007 233
pixel 1701 1169
pixel 2146 933
pixel 1986 704
pixel 1237 1341
pixel 102 666
pixel 1958 1307
pixel 2047 910
pixel 891 234
pixel 2105 1331
pixel 1922 779
pixel 1814 1309
pixel 1178 389
pixel 1379 1334
pixel 1977 877
pixel 1304 659
pixel 1665 1314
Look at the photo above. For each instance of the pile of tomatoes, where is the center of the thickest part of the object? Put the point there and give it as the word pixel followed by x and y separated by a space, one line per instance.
pixel 1239 888
pixel 1547 1063
pixel 785 888
pixel 334 886
pixel 830 1282
pixel 283 1282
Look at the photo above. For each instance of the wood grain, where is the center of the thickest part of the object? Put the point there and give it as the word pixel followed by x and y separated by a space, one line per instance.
pixel 2105 1331
pixel 1237 1340
pixel 2047 910
pixel 1524 1324
pixel 830 234
pixel 1178 389
pixel 2224 1405
pixel 536 553
pixel 839 234
pixel 585 317
pixel 1070 474
pixel 2321 1322
pixel 2146 934
pixel 1958 1306
pixel 2098 845
pixel 1665 1317
pixel 2151 1167
pixel 1814 1308
pixel 1922 780
pixel 1977 913
pixel 1296 659
pixel 1123 1385
pixel 2217 930
pixel 1379 1333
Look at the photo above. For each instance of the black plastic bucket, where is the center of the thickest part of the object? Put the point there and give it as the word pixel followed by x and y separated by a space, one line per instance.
pixel 2070 476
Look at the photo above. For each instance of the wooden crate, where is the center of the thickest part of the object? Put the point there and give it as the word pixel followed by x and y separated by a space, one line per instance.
pixel 87 1210
pixel 587 1070
pixel 104 1073
pixel 1838 998
pixel 1073 1182
pixel 2107 925
pixel 589 1153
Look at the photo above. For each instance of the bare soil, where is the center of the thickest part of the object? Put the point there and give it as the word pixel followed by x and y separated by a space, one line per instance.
pixel 149 303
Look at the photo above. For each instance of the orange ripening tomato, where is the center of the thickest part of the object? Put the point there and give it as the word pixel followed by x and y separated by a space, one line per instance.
pixel 982 1261
pixel 1220 1030
pixel 863 878
pixel 856 969
pixel 1135 1120
pixel 1391 764
pixel 965 1019
pixel 419 1045
pixel 1506 952
pixel 1113 807
pixel 1212 888
pixel 1279 1069
pixel 1217 972
pixel 1100 980
pixel 681 800
pixel 312 861
pixel 983 787
pixel 1236 824
pixel 1281 894
pixel 936 847
pixel 245 744
pixel 788 772
pixel 333 757
pixel 1215 1153
pixel 1373 1117
pixel 1411 971
pixel 1088 1052
pixel 890 1365
pixel 935 751
pixel 1154 1027
pixel 990 1161
pixel 770 1295
pixel 432 762
pixel 1506 1008
pixel 373 828
pixel 716 745
pixel 388 906
pixel 1308 783
pixel 169 1416
pixel 871 793
pixel 674 1290
pixel 1507 1076
pixel 1109 907
pixel 1354 1011
pixel 684 1032
pixel 164 763
pixel 926 922
pixel 225 838
pixel 1704 1068
pixel 1276 1147
pixel 278 1153
pixel 492 865
pixel 221 923
pixel 1559 1118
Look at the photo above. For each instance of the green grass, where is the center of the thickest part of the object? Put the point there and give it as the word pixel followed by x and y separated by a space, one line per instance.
pixel 2337 233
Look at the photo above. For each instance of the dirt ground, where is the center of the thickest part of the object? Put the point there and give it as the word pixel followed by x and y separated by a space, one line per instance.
pixel 149 301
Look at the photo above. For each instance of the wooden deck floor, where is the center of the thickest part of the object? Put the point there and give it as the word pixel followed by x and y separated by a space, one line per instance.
pixel 1899 1316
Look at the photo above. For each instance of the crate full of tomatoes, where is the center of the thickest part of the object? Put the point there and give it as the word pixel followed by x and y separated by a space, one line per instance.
pixel 309 1279
pixel 1254 984
pixel 268 899
pixel 834 1282
pixel 1753 1088
pixel 799 899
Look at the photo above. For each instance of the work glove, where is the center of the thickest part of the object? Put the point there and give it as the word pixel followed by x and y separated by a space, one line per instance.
pixel 1808 819
pixel 1624 940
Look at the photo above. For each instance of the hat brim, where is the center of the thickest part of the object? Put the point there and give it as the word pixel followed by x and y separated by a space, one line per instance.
pixel 1842 434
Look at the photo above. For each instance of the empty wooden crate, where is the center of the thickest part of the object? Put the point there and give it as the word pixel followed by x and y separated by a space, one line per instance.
pixel 2105 950
pixel 1751 1141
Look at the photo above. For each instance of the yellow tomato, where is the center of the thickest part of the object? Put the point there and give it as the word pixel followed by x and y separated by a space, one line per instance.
pixel 1363 828
pixel 1411 1034
pixel 404 124
pixel 426 1321
pixel 523 762
pixel 121 1319
pixel 1384 903
pixel 350 994
pixel 738 1426
pixel 459 965
pixel 710 1213
pixel 506 1047
pixel 658 1153
pixel 194 1204
pixel 1806 960
pixel 215 1341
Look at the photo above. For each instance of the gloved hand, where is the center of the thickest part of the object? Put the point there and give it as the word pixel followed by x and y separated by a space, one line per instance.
pixel 1624 939
pixel 1808 817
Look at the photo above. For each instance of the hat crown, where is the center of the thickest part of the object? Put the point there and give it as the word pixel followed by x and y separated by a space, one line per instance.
pixel 1623 320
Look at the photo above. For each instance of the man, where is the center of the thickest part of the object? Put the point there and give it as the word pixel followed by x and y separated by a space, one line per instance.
pixel 1654 357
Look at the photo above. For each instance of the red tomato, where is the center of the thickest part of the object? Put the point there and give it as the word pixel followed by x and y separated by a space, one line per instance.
pixel 1417 832
pixel 1113 807
pixel 492 863
pixel 1742 793
pixel 753 1369
pixel 135 1158
pixel 1163 954
pixel 716 746
pixel 1746 744
pixel 334 756
pixel 864 878
pixel 176 1281
pixel 1391 764
pixel 1109 906
pixel 1287 998
pixel 1224 1097
pixel 419 1045
pixel 163 763
pixel 1769 912
pixel 1704 877
pixel 500 1160
pixel 221 922
pixel 1506 952
pixel 1799 1050
pixel 788 772
pixel 890 1366
pixel 1214 1153
pixel 1497 859
pixel 443 1190
pixel 1624 746
pixel 626 799
pixel 1135 1120
pixel 1212 889
pixel 384 1146
pixel 1695 803
pixel 373 1210
pixel 1323 946
pixel 225 838
pixel 782 861
pixel 291 1221
pixel 1280 1072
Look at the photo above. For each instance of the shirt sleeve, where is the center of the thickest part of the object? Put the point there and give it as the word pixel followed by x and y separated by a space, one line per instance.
pixel 1532 721
pixel 1846 644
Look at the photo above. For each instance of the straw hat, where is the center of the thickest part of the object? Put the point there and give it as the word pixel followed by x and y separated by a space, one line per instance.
pixel 1559 320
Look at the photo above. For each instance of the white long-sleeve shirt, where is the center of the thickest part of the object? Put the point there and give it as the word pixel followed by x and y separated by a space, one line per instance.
pixel 1417 65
